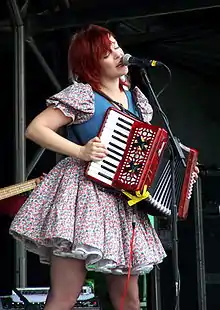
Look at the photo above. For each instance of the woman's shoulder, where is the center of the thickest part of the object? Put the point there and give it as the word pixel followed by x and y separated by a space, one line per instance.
pixel 76 99
pixel 76 91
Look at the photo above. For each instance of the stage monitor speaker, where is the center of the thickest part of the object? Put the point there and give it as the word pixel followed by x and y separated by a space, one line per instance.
pixel 35 298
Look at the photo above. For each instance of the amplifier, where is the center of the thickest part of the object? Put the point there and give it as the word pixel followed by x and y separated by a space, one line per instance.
pixel 37 297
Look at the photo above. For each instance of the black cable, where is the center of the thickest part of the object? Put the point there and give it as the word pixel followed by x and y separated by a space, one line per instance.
pixel 168 83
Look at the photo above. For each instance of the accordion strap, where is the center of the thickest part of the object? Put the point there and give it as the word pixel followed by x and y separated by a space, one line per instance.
pixel 120 106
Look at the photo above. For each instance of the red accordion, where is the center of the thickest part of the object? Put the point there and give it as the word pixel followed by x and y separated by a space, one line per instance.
pixel 135 158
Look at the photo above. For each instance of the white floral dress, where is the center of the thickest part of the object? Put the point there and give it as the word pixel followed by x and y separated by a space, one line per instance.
pixel 71 216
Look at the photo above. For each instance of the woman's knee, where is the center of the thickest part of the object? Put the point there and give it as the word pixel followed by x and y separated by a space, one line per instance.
pixel 67 278
pixel 132 302
pixel 62 301
pixel 130 298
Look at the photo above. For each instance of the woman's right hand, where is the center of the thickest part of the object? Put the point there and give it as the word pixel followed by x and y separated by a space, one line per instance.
pixel 94 149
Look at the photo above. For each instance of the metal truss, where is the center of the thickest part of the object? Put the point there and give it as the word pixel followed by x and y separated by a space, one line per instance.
pixel 21 171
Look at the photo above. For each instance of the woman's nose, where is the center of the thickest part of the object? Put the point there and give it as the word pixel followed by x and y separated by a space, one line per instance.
pixel 117 54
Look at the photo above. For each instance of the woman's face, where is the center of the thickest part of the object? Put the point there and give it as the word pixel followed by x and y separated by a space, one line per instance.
pixel 111 66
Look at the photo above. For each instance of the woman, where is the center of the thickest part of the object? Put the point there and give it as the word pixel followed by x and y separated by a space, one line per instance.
pixel 70 221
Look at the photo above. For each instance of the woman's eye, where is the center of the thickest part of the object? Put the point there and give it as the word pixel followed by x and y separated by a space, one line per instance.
pixel 106 56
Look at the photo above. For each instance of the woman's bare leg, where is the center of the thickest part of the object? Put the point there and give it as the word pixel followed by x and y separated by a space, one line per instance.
pixel 67 278
pixel 116 285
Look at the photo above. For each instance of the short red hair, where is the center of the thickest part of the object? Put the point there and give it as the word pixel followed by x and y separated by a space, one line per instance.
pixel 86 49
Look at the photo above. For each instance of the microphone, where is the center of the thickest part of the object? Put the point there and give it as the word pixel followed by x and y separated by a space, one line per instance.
pixel 129 60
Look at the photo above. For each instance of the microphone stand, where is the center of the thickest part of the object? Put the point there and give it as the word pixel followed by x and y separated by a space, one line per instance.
pixel 176 152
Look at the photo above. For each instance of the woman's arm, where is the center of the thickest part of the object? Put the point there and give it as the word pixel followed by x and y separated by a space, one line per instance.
pixel 42 130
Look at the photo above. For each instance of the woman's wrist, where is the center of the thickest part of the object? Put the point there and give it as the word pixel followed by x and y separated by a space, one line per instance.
pixel 79 154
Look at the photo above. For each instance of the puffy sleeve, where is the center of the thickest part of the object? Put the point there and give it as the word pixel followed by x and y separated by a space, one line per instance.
pixel 75 101
pixel 144 105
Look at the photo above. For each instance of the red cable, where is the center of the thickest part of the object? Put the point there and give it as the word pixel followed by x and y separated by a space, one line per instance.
pixel 122 302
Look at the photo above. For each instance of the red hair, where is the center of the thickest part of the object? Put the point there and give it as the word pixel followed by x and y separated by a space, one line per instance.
pixel 88 46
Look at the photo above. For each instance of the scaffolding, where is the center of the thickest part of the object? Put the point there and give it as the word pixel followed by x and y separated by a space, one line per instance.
pixel 21 171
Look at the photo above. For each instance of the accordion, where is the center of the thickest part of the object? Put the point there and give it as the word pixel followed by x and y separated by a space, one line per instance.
pixel 138 157
pixel 160 200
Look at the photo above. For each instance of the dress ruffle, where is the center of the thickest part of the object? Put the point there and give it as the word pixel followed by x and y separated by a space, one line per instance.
pixel 71 216
pixel 77 100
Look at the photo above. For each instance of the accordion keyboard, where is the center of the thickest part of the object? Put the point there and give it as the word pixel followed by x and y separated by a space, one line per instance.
pixel 134 149
pixel 114 135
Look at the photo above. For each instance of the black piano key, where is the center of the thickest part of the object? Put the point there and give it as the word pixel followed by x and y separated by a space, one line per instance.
pixel 124 127
pixel 108 169
pixel 115 145
pixel 121 134
pixel 110 164
pixel 113 151
pixel 124 121
pixel 105 176
pixel 116 138
pixel 113 157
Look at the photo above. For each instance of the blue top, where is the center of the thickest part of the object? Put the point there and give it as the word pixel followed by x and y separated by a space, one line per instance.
pixel 82 133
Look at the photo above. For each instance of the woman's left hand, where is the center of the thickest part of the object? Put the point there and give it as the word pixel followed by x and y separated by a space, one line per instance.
pixel 38 180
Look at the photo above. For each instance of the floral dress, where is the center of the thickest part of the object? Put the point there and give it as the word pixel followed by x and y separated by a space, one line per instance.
pixel 71 216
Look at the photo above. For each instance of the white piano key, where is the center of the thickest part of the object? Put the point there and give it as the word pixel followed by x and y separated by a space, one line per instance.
pixel 110 133
pixel 107 139
pixel 116 156
pixel 100 178
pixel 115 115
pixel 118 137
pixel 96 170
pixel 98 165
pixel 116 149
pixel 111 130
pixel 120 119
pixel 124 119
pixel 112 123
pixel 110 160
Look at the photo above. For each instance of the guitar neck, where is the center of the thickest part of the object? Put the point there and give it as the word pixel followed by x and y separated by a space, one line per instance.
pixel 17 189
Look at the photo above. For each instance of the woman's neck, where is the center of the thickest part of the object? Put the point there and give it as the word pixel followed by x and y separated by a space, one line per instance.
pixel 110 86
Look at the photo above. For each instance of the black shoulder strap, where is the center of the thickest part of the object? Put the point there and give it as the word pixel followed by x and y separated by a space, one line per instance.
pixel 120 106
